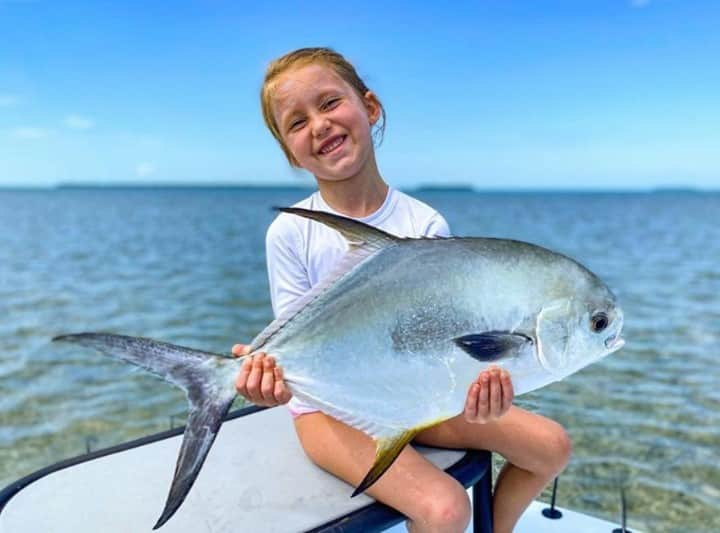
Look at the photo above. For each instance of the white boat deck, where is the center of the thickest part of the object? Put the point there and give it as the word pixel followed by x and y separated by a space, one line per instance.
pixel 256 478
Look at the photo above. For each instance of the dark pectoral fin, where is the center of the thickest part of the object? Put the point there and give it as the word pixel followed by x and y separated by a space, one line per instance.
pixel 493 345
pixel 386 452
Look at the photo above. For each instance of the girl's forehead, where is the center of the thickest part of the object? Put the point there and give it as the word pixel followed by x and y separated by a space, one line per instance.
pixel 305 82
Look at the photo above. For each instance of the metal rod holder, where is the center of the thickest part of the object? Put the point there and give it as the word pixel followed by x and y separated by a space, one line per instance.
pixel 89 441
pixel 623 514
pixel 551 512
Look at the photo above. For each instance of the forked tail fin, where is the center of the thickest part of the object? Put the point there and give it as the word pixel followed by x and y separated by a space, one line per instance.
pixel 207 378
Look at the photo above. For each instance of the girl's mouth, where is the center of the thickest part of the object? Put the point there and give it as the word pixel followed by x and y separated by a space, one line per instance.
pixel 332 144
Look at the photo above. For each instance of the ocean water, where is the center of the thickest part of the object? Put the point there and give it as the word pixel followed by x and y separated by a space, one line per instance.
pixel 187 266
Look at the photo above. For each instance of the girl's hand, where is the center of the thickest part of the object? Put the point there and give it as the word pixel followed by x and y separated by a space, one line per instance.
pixel 260 380
pixel 489 397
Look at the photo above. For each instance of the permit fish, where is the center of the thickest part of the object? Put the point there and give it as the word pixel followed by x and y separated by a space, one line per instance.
pixel 390 342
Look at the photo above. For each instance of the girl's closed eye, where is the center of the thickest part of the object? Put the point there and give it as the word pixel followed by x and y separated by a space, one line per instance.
pixel 295 124
pixel 330 103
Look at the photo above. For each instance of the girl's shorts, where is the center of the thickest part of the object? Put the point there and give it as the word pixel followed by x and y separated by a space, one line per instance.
pixel 298 408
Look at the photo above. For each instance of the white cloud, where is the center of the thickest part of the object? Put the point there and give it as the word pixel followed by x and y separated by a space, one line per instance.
pixel 8 100
pixel 76 122
pixel 639 3
pixel 144 169
pixel 29 132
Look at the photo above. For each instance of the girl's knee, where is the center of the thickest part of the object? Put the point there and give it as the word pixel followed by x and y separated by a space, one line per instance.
pixel 559 450
pixel 447 509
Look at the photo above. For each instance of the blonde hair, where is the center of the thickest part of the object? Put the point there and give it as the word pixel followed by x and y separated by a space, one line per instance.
pixel 301 58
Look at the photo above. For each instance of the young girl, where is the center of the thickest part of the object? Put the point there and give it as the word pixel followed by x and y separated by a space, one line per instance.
pixel 323 116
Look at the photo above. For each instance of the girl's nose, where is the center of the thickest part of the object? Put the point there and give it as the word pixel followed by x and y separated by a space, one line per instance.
pixel 321 125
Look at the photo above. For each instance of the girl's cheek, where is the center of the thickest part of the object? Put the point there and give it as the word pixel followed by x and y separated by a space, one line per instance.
pixel 290 141
pixel 295 147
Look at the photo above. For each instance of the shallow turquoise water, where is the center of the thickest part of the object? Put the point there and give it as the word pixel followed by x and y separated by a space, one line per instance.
pixel 187 266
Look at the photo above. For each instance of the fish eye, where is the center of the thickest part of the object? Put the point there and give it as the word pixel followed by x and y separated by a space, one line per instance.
pixel 599 322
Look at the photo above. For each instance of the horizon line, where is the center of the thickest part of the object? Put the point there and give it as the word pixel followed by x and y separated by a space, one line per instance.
pixel 450 187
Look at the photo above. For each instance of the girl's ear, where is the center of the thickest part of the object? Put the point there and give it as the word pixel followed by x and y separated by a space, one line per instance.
pixel 373 107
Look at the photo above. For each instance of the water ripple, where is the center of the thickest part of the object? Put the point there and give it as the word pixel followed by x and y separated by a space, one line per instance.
pixel 188 267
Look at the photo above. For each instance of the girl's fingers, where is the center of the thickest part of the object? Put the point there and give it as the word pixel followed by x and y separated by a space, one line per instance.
pixel 484 398
pixel 282 393
pixel 267 382
pixel 238 350
pixel 471 403
pixel 255 378
pixel 495 394
pixel 260 381
pixel 508 392
pixel 241 380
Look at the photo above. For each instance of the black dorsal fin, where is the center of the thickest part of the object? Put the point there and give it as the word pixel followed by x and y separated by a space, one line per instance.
pixel 355 232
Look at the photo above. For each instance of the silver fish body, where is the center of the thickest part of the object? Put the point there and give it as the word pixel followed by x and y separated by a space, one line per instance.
pixel 392 340
pixel 376 349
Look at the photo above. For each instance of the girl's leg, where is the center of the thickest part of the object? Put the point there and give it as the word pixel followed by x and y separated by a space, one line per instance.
pixel 432 500
pixel 536 448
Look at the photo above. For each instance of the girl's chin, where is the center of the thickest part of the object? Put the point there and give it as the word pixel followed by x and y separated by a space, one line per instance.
pixel 339 172
pixel 335 178
pixel 344 168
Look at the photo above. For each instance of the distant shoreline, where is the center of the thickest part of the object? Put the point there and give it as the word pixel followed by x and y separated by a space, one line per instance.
pixel 421 189
pixel 124 186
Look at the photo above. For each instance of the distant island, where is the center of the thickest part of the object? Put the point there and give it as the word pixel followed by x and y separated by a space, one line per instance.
pixel 181 186
pixel 676 190
pixel 445 188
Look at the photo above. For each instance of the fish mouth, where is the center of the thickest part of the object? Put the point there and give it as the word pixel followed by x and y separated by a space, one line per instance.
pixel 614 343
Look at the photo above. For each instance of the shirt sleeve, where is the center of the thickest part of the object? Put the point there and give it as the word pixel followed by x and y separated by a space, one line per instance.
pixel 287 275
pixel 437 226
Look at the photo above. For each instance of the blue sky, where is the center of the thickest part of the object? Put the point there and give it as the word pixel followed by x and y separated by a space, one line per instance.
pixel 614 94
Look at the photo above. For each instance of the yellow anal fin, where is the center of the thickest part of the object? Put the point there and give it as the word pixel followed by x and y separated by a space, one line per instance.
pixel 386 452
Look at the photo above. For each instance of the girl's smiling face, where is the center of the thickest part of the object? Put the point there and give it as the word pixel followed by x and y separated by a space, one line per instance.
pixel 324 123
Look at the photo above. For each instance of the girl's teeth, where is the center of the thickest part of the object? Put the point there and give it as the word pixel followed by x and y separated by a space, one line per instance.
pixel 332 146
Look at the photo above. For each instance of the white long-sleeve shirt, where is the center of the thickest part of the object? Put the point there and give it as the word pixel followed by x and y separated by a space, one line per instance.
pixel 301 252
